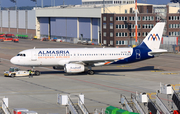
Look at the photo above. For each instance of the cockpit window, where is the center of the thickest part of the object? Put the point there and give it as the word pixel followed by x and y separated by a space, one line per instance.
pixel 21 55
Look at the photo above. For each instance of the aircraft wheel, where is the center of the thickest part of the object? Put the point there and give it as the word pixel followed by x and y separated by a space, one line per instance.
pixel 91 72
pixel 37 73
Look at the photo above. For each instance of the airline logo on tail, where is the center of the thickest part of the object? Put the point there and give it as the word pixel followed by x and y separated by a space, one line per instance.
pixel 154 37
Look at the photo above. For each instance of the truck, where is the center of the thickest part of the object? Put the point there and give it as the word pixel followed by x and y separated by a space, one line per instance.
pixel 14 71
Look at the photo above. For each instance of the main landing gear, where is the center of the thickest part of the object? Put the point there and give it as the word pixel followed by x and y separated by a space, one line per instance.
pixel 90 71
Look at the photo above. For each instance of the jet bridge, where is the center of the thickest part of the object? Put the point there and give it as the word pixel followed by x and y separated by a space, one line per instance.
pixel 73 103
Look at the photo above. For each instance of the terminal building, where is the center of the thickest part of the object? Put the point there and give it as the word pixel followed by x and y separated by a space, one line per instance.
pixel 111 24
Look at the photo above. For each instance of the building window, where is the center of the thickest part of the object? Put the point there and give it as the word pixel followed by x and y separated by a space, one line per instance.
pixel 121 34
pixel 111 34
pixel 117 18
pixel 139 26
pixel 121 42
pixel 125 11
pixel 139 34
pixel 117 34
pixel 145 33
pixel 122 19
pixel 131 18
pixel 148 26
pixel 126 26
pixel 122 26
pixel 174 33
pixel 104 34
pixel 125 33
pixel 104 25
pixel 132 26
pixel 170 25
pixel 139 18
pixel 104 18
pixel 111 42
pixel 111 25
pixel 174 25
pixel 117 42
pixel 132 34
pixel 111 18
pixel 174 18
pixel 148 18
pixel 117 26
pixel 104 41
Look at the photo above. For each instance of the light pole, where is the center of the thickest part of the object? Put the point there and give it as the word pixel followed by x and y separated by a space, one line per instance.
pixel 42 3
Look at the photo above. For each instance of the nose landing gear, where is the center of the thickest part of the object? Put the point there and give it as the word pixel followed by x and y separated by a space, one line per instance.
pixel 36 72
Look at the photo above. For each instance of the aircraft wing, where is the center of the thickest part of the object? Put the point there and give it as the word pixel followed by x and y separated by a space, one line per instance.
pixel 96 62
pixel 90 61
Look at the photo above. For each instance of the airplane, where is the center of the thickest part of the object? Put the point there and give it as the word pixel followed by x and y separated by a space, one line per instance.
pixel 77 60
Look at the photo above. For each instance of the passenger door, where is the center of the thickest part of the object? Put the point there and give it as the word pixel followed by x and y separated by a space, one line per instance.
pixel 34 55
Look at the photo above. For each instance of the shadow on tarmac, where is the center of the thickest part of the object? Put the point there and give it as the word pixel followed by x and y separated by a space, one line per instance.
pixel 146 68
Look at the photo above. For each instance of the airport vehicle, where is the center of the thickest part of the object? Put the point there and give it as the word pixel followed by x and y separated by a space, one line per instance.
pixel 8 37
pixel 77 60
pixel 14 71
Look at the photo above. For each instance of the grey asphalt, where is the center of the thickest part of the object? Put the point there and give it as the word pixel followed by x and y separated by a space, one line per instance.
pixel 101 90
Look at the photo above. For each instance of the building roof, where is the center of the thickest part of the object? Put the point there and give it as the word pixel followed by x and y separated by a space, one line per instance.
pixel 93 10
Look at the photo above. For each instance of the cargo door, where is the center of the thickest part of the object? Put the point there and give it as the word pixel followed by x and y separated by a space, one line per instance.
pixel 138 54
pixel 34 55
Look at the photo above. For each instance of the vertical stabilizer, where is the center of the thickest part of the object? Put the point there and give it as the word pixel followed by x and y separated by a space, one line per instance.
pixel 153 39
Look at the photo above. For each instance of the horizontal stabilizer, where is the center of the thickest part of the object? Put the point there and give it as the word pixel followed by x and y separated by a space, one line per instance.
pixel 157 52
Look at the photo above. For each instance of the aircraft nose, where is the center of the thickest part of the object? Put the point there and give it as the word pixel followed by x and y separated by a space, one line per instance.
pixel 13 60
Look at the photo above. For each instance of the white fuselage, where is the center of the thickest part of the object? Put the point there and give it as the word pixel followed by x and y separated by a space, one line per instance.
pixel 62 56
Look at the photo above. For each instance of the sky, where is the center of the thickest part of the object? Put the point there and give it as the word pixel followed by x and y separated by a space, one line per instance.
pixel 8 3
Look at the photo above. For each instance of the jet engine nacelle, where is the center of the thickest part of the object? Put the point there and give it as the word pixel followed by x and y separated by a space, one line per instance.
pixel 74 68
pixel 58 67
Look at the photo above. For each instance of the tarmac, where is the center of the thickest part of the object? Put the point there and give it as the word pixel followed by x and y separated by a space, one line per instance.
pixel 100 90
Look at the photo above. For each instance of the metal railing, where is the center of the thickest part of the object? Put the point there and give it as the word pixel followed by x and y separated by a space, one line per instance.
pixel 5 108
pixel 72 107
pixel 82 106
